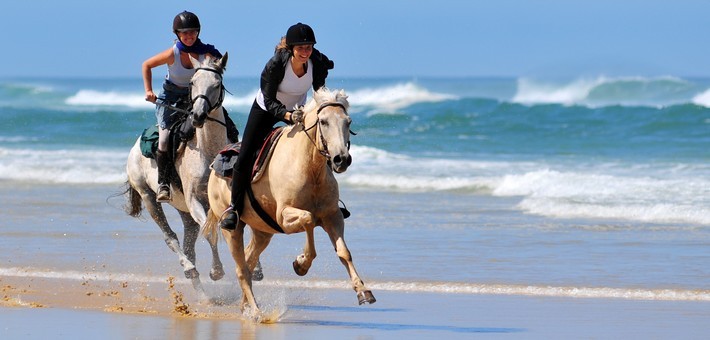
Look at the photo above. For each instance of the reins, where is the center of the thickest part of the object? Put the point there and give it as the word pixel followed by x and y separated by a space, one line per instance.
pixel 324 152
pixel 192 99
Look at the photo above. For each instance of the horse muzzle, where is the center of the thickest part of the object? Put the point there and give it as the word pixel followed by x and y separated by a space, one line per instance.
pixel 198 120
pixel 341 162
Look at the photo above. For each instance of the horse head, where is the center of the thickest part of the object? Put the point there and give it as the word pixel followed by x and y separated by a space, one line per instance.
pixel 206 88
pixel 327 112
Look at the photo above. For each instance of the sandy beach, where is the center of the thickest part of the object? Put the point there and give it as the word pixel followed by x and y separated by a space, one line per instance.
pixel 41 308
pixel 65 276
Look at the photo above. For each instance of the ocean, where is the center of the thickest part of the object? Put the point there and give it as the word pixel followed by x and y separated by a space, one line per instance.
pixel 587 187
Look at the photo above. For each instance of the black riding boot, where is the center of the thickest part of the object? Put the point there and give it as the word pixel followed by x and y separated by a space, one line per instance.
pixel 163 160
pixel 237 205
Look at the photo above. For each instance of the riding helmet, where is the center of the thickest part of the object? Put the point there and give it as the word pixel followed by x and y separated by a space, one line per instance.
pixel 300 34
pixel 186 21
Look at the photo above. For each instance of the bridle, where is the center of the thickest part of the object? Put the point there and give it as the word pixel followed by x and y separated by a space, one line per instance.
pixel 324 150
pixel 212 106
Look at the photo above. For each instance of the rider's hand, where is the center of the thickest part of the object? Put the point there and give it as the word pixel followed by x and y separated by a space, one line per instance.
pixel 150 96
pixel 297 116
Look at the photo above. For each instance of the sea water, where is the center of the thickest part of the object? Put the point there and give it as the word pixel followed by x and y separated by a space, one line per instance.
pixel 589 187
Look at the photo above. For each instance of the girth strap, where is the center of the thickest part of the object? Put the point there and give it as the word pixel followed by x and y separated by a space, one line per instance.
pixel 260 211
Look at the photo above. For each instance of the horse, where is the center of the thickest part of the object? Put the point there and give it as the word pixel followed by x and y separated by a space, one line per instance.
pixel 298 191
pixel 192 164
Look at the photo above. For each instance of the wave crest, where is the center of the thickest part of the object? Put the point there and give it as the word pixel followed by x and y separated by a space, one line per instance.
pixel 395 97
pixel 605 91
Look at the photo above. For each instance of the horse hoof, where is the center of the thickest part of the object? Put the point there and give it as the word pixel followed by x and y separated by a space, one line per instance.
pixel 257 275
pixel 192 273
pixel 298 269
pixel 365 296
pixel 217 274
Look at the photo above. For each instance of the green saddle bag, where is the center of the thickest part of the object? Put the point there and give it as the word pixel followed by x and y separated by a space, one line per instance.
pixel 149 141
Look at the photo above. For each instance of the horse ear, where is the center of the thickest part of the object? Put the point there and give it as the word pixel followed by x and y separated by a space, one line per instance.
pixel 222 62
pixel 341 97
pixel 195 63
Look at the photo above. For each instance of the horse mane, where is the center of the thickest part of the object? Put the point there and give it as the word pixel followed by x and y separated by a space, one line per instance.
pixel 213 63
pixel 325 95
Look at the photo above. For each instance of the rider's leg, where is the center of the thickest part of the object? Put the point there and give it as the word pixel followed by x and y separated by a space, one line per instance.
pixel 258 126
pixel 162 158
pixel 171 95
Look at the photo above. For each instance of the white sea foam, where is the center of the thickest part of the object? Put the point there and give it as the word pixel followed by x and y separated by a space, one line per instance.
pixel 702 99
pixel 673 193
pixel 532 92
pixel 137 100
pixel 240 101
pixel 394 97
pixel 582 194
pixel 63 166
pixel 603 91
pixel 111 98
pixel 408 287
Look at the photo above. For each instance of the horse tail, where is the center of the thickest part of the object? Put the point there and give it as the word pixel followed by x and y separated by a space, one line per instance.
pixel 134 204
pixel 210 230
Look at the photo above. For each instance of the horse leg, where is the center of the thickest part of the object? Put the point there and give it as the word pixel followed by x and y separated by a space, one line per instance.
pixel 335 230
pixel 192 230
pixel 158 215
pixel 259 241
pixel 197 214
pixel 189 240
pixel 303 262
pixel 217 271
pixel 297 219
pixel 235 242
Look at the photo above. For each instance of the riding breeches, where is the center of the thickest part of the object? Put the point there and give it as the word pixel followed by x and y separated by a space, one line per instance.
pixel 258 126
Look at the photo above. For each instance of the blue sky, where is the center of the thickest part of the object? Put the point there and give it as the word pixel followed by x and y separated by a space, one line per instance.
pixel 371 38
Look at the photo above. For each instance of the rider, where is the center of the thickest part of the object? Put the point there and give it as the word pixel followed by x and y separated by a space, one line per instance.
pixel 295 67
pixel 186 27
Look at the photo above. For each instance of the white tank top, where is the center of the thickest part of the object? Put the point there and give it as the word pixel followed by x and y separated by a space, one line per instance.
pixel 293 90
pixel 178 74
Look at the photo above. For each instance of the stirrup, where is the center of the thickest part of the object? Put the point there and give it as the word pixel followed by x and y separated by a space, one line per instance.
pixel 230 221
pixel 163 194
pixel 344 210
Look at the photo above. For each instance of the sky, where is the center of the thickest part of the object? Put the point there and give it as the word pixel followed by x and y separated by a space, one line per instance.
pixel 370 38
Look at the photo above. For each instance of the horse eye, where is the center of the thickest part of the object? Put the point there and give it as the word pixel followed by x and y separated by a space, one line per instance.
pixel 324 122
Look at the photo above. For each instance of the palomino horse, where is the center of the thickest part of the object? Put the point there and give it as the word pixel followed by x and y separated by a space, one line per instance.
pixel 298 190
pixel 193 166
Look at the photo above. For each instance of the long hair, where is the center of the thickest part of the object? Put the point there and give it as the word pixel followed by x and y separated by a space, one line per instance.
pixel 282 45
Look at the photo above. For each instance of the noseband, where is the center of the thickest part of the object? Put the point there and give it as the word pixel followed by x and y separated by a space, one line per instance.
pixel 317 125
pixel 219 101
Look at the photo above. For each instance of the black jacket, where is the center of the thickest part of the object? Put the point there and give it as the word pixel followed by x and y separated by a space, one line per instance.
pixel 274 72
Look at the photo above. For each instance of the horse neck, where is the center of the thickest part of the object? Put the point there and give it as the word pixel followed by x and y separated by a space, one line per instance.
pixel 212 136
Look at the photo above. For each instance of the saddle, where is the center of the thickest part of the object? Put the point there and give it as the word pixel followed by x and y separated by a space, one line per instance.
pixel 225 159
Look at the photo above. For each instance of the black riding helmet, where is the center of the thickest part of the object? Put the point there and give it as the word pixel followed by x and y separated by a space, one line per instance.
pixel 186 21
pixel 300 34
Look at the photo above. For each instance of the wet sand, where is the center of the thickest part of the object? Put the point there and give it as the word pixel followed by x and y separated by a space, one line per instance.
pixel 65 275
pixel 40 308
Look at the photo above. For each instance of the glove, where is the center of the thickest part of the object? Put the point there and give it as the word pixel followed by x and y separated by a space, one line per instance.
pixel 297 116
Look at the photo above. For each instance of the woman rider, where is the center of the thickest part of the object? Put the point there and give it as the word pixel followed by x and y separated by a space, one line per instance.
pixel 176 86
pixel 294 69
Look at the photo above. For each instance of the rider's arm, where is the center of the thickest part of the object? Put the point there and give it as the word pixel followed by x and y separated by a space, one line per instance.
pixel 271 77
pixel 162 58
